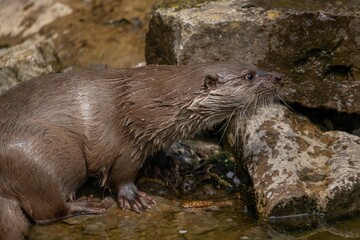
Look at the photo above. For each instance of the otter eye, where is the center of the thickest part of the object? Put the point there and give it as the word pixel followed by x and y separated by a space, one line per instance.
pixel 249 76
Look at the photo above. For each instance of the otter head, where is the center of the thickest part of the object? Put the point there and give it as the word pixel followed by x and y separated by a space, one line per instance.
pixel 235 90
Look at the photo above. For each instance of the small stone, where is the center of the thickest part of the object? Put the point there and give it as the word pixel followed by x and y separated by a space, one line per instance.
pixel 236 181
pixel 230 175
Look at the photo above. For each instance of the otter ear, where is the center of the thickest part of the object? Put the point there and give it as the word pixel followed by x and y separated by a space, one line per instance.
pixel 210 82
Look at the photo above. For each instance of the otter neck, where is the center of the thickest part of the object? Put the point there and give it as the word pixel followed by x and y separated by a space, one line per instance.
pixel 184 124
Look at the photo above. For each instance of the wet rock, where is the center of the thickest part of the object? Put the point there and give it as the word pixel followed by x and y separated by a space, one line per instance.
pixel 24 61
pixel 184 152
pixel 298 170
pixel 320 71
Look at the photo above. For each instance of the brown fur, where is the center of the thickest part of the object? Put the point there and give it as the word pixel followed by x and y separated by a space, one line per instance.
pixel 57 130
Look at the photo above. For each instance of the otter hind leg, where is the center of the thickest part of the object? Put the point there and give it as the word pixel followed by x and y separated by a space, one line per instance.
pixel 80 207
pixel 13 222
pixel 88 206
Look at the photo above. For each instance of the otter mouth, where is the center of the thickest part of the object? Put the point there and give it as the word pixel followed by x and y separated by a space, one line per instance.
pixel 262 92
pixel 266 96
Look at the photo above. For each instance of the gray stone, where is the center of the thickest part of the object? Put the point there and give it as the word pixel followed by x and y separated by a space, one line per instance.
pixel 7 78
pixel 315 43
pixel 297 169
pixel 22 62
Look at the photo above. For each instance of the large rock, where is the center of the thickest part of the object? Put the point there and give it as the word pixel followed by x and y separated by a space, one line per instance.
pixel 315 43
pixel 25 61
pixel 297 169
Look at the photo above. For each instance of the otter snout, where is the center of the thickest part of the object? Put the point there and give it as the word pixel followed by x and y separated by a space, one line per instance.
pixel 277 77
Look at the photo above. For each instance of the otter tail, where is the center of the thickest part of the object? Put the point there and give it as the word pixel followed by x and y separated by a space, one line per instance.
pixel 13 222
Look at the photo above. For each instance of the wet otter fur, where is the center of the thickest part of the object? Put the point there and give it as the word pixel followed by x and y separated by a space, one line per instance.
pixel 58 130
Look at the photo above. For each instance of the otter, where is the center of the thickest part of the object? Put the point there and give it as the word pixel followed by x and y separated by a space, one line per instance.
pixel 56 131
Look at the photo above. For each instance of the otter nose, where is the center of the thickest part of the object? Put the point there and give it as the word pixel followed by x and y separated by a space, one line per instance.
pixel 278 78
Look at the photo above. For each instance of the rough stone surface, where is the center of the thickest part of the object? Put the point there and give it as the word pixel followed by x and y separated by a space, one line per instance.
pixel 297 169
pixel 205 32
pixel 7 78
pixel 25 61
pixel 26 17
pixel 320 71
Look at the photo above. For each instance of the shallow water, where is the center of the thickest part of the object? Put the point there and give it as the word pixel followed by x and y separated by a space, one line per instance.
pixel 169 220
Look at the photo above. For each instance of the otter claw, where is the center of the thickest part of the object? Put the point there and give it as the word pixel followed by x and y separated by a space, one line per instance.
pixel 130 198
pixel 135 208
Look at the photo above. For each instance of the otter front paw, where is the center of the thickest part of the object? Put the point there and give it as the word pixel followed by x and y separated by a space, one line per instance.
pixel 129 197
